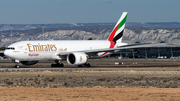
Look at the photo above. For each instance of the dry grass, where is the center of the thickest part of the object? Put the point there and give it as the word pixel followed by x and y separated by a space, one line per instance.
pixel 89 94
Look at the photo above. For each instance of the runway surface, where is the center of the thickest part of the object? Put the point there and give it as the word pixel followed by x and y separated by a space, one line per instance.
pixel 100 64
pixel 94 68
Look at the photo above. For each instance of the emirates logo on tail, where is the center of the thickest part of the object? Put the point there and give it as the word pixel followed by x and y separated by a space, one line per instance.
pixel 117 32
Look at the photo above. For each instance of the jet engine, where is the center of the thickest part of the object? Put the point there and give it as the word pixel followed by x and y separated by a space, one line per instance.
pixel 28 62
pixel 77 58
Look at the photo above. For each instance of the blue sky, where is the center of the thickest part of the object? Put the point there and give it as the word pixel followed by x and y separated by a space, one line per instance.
pixel 87 11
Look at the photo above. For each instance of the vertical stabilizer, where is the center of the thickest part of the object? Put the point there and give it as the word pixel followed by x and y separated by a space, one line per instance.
pixel 117 33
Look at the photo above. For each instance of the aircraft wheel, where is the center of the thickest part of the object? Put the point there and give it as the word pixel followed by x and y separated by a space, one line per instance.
pixel 80 66
pixel 85 65
pixel 61 65
pixel 16 66
pixel 52 65
pixel 57 65
pixel 88 65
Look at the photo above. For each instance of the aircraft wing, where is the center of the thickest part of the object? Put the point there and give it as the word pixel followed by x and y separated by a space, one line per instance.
pixel 131 46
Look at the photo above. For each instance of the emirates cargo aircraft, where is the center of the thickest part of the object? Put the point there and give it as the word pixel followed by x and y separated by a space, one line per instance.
pixel 76 52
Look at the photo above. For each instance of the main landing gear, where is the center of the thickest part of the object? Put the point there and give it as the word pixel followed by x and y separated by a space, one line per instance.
pixel 85 65
pixel 57 64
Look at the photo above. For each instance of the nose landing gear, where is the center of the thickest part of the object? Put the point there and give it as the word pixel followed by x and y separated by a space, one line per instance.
pixel 16 66
pixel 16 63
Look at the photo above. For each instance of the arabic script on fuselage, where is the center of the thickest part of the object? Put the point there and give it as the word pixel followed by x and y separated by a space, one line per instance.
pixel 41 48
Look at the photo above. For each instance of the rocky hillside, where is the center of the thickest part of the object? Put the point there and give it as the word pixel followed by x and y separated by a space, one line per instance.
pixel 167 35
pixel 84 33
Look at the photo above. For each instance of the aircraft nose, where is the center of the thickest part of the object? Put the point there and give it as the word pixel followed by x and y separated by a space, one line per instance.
pixel 6 53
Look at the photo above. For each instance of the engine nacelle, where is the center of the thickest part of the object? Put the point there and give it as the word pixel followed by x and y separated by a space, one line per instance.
pixel 28 62
pixel 77 58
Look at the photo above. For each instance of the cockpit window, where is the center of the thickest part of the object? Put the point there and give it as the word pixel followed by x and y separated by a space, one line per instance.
pixel 11 48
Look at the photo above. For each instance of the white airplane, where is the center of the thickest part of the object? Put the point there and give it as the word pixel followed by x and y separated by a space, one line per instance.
pixel 76 52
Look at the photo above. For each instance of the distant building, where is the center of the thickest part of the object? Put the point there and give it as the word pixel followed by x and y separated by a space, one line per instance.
pixel 1 53
pixel 171 50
